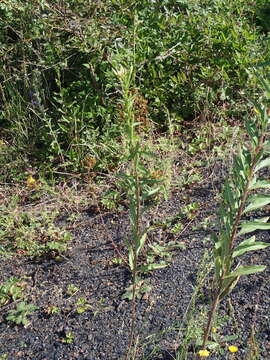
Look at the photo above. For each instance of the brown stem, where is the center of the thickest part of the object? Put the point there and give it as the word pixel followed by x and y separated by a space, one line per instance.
pixel 210 318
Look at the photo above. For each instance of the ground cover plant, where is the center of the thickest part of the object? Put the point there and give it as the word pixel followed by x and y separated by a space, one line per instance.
pixel 120 121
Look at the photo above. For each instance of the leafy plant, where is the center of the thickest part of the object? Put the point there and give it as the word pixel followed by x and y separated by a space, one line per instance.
pixel 72 289
pixel 30 234
pixel 240 198
pixel 11 290
pixel 52 309
pixel 82 306
pixel 68 338
pixel 59 99
pixel 138 183
pixel 19 315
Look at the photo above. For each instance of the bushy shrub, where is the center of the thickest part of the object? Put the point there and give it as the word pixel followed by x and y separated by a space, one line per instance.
pixel 58 95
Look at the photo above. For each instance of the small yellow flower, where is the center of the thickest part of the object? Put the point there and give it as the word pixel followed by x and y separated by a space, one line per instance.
pixel 233 348
pixel 31 182
pixel 204 353
pixel 214 330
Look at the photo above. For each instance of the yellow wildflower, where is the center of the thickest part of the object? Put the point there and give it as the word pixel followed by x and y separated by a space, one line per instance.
pixel 233 348
pixel 204 353
pixel 31 182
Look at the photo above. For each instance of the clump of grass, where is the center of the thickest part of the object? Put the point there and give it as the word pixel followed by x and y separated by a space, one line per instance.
pixel 241 198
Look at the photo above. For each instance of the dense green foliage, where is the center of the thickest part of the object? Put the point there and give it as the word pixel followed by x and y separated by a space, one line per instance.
pixel 60 98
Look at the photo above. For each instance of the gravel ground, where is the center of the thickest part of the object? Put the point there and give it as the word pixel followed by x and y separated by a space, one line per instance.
pixel 102 331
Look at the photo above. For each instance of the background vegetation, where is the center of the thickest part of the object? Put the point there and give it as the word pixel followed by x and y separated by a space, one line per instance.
pixel 60 99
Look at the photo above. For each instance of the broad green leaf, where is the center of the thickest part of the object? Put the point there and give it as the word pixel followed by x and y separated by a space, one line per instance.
pixel 262 164
pixel 246 270
pixel 260 184
pixel 257 202
pixel 240 250
pixel 250 226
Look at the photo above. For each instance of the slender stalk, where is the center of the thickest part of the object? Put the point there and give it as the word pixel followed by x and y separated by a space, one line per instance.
pixel 210 319
pixel 136 235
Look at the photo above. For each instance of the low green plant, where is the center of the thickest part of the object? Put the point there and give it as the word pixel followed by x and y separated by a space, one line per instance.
pixel 240 199
pixel 72 289
pixel 31 234
pixel 110 199
pixel 19 315
pixel 68 338
pixel 82 305
pixel 11 290
pixel 52 309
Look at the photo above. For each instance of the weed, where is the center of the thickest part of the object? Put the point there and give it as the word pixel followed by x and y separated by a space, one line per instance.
pixel 240 198
pixel 82 306
pixel 52 309
pixel 25 234
pixel 19 315
pixel 68 338
pixel 72 289
pixel 11 290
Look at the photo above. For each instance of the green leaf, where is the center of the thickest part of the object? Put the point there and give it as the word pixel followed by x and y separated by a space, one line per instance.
pixel 250 226
pixel 150 267
pixel 262 164
pixel 248 241
pixel 140 242
pixel 130 257
pixel 246 270
pixel 257 202
pixel 230 337
pixel 242 249
pixel 260 184
pixel 152 192
pixel 228 286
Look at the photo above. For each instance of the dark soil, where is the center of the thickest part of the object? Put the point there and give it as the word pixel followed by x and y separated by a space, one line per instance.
pixel 102 331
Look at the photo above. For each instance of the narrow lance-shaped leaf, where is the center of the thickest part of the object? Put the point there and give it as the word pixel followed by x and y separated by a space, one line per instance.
pixel 262 164
pixel 140 242
pixel 246 270
pixel 257 202
pixel 240 250
pixel 260 184
pixel 151 193
pixel 150 267
pixel 228 286
pixel 130 257
pixel 250 226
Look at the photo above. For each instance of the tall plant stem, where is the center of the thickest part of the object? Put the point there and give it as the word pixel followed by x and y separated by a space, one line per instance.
pixel 135 237
pixel 210 319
